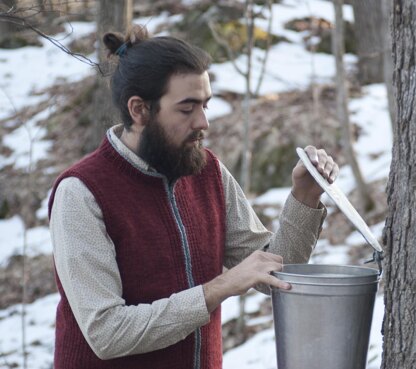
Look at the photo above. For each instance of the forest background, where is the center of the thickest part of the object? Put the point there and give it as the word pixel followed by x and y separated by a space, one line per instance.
pixel 286 73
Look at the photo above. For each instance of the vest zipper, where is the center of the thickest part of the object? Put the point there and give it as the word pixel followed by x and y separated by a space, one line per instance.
pixel 188 262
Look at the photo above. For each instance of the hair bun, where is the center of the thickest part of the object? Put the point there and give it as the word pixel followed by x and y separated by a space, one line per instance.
pixel 113 41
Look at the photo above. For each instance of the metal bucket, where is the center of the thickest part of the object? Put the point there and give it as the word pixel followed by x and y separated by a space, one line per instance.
pixel 324 321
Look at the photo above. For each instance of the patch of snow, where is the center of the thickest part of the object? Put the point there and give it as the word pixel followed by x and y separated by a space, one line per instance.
pixel 289 10
pixel 20 79
pixel 325 253
pixel 230 307
pixel 42 212
pixel 288 67
pixel 259 352
pixel 217 107
pixel 27 142
pixel 40 334
pixel 356 238
pixel 12 239
pixel 274 196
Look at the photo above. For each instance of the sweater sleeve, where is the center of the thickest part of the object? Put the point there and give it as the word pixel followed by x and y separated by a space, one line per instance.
pixel 295 239
pixel 86 265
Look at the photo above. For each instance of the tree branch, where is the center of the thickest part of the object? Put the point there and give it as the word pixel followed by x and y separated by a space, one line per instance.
pixel 10 16
pixel 266 51
pixel 226 47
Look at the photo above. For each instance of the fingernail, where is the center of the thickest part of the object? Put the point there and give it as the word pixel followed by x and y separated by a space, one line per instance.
pixel 287 286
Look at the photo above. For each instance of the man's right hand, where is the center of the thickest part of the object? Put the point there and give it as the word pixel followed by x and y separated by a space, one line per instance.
pixel 253 270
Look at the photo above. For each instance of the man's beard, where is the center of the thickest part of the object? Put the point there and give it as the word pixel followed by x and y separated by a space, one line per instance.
pixel 168 159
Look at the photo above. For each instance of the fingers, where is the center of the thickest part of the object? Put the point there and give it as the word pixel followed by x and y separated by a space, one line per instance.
pixel 323 162
pixel 267 263
pixel 276 282
pixel 312 152
pixel 331 170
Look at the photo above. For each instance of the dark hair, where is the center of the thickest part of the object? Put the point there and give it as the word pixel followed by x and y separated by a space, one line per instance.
pixel 146 64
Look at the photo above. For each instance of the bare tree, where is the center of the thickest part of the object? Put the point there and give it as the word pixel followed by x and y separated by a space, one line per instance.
pixel 399 344
pixel 26 198
pixel 250 92
pixel 111 16
pixel 338 47
pixel 368 29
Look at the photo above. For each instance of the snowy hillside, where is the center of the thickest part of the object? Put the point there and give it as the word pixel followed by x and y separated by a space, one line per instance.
pixel 289 67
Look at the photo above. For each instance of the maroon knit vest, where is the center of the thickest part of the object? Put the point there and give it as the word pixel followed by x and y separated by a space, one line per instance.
pixel 166 239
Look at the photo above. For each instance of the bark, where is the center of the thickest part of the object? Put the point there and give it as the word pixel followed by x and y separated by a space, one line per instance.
pixel 368 30
pixel 366 202
pixel 399 350
pixel 112 16
pixel 388 57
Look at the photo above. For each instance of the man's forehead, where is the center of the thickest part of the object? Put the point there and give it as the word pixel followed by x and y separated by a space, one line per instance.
pixel 190 87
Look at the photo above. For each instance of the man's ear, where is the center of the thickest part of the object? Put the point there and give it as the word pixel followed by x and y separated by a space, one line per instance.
pixel 138 110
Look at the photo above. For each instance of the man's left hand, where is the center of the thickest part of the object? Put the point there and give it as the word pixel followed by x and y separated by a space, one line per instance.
pixel 305 189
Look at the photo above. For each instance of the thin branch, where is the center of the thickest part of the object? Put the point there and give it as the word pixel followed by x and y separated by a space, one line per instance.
pixel 23 22
pixel 24 259
pixel 226 47
pixel 266 52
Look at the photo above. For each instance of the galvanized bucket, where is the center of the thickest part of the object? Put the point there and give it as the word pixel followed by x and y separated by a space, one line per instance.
pixel 324 321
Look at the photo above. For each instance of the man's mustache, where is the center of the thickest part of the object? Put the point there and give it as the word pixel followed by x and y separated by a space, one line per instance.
pixel 196 136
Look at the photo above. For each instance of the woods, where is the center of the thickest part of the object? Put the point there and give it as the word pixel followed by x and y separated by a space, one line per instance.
pixel 255 134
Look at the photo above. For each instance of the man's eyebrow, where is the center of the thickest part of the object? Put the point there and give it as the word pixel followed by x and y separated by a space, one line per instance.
pixel 191 100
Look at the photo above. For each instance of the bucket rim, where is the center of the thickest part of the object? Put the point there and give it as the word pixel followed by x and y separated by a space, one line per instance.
pixel 372 272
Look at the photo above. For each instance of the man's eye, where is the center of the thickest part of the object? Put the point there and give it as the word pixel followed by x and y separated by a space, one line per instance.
pixel 186 112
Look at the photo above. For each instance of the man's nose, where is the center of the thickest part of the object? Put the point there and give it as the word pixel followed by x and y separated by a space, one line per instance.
pixel 201 121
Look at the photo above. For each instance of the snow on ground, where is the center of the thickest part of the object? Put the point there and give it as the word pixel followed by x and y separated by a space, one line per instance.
pixel 40 333
pixel 27 142
pixel 12 239
pixel 290 66
pixel 27 70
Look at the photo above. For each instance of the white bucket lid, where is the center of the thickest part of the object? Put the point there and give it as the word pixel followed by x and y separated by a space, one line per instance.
pixel 338 197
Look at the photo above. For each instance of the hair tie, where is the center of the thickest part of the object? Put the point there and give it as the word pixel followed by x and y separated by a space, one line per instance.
pixel 121 50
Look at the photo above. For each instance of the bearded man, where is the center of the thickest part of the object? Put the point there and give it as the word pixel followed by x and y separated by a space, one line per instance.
pixel 144 225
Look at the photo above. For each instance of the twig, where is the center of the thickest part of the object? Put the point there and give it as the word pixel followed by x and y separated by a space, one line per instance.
pixel 226 47
pixel 24 262
pixel 21 21
pixel 266 52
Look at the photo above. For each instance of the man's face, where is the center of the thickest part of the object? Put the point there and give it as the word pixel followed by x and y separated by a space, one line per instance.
pixel 171 141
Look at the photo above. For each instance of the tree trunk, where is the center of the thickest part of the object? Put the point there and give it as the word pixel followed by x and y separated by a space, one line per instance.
pixel 366 202
pixel 368 29
pixel 399 351
pixel 112 16
pixel 386 6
